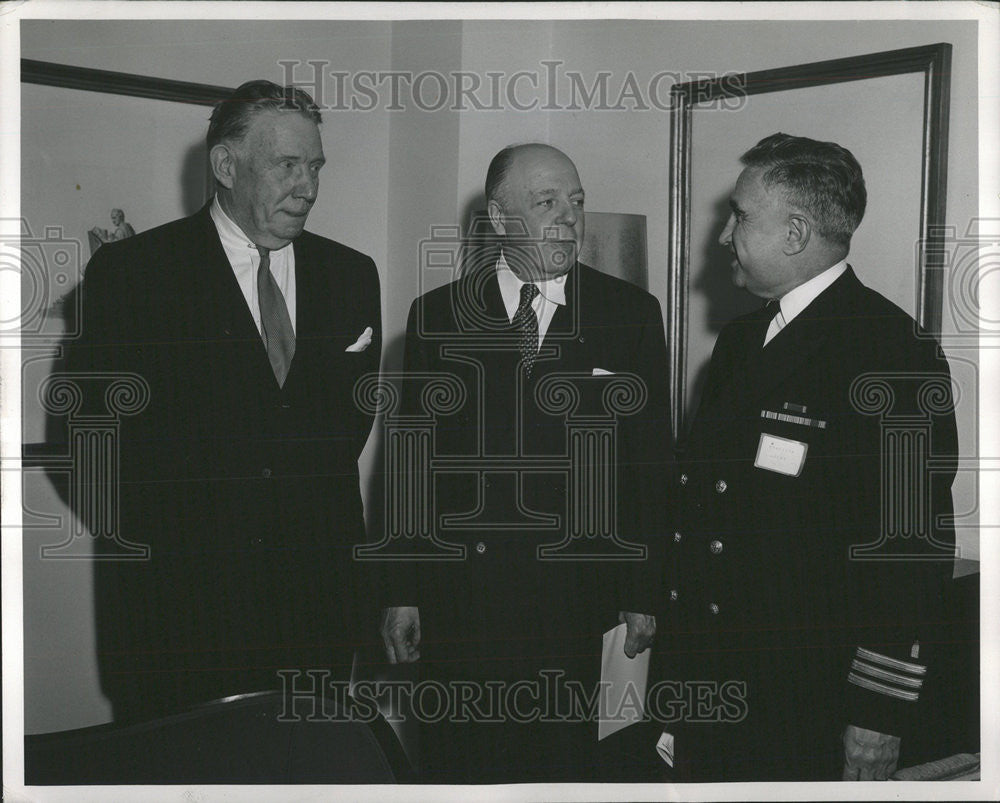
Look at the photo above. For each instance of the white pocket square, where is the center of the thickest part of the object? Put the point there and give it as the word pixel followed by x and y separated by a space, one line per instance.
pixel 601 372
pixel 362 342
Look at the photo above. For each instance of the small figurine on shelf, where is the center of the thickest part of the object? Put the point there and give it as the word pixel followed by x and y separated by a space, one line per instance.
pixel 121 230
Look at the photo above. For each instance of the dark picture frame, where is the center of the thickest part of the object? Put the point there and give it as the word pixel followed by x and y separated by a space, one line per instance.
pixel 934 61
pixel 49 73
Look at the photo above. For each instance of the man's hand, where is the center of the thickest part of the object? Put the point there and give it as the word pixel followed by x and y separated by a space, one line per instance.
pixel 869 755
pixel 401 634
pixel 639 631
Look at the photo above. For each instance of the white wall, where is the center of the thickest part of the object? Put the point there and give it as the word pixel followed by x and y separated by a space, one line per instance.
pixel 392 175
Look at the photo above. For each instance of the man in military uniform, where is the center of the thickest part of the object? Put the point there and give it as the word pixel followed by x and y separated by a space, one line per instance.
pixel 782 576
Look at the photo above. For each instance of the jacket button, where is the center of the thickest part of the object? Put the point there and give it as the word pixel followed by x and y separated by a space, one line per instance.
pixel 715 547
pixel 713 608
pixel 673 595
pixel 720 487
pixel 266 473
pixel 684 479
pixel 480 547
pixel 677 537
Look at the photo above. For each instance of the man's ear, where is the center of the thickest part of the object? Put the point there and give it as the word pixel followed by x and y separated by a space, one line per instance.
pixel 798 235
pixel 495 212
pixel 223 162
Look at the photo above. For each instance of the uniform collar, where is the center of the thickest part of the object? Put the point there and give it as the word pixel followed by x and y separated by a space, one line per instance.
pixel 797 299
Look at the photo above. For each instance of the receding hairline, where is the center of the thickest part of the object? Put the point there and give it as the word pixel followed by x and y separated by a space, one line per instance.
pixel 509 158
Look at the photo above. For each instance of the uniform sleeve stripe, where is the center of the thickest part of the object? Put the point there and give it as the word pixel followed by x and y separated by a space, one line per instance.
pixel 881 688
pixel 892 663
pixel 886 675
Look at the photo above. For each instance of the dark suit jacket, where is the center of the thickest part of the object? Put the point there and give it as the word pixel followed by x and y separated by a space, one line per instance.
pixel 246 493
pixel 763 588
pixel 503 611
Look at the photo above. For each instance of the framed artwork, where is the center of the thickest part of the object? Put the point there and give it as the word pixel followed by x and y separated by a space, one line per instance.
pixel 890 109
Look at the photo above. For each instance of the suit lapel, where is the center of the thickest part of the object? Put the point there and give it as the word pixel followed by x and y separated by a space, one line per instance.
pixel 226 310
pixel 565 334
pixel 736 374
pixel 561 326
pixel 748 370
pixel 226 304
pixel 320 315
pixel 492 302
pixel 807 333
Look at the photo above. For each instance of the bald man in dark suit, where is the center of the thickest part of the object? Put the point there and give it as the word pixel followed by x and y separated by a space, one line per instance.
pixel 508 612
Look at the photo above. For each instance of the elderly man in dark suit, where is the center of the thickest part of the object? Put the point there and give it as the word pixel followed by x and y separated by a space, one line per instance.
pixel 812 533
pixel 511 609
pixel 241 475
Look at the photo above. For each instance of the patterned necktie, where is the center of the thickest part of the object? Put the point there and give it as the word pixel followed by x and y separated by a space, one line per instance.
pixel 527 324
pixel 275 323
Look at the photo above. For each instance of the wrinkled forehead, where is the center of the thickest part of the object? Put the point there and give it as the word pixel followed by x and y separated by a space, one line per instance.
pixel 282 131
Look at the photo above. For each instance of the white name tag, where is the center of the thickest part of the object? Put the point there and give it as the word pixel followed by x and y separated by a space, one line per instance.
pixel 781 454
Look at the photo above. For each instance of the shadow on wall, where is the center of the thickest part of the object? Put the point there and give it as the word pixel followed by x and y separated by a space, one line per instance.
pixel 711 277
pixel 197 186
pixel 472 211
pixel 197 182
pixel 480 242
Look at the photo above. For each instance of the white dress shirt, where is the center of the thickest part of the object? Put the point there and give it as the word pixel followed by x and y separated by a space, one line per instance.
pixel 551 295
pixel 245 259
pixel 797 299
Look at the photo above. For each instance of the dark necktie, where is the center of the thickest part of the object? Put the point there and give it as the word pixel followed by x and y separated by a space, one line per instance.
pixel 275 323
pixel 527 325
pixel 758 322
pixel 773 308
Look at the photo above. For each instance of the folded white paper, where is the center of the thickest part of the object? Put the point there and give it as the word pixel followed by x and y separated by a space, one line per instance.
pixel 665 747
pixel 623 684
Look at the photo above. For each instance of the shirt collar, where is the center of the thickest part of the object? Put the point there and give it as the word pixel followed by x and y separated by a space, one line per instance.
pixel 552 290
pixel 234 239
pixel 798 298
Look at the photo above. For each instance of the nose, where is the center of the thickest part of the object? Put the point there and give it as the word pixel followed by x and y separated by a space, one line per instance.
pixel 727 233
pixel 307 184
pixel 568 214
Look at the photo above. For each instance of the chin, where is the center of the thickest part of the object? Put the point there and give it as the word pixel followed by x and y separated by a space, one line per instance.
pixel 561 258
pixel 291 231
